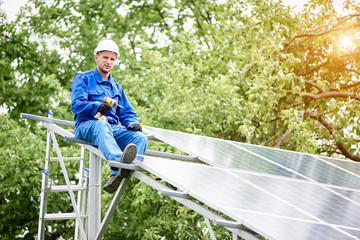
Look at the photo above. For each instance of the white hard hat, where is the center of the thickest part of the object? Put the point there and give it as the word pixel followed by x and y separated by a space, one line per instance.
pixel 107 45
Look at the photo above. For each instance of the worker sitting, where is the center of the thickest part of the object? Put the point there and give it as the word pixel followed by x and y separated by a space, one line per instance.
pixel 97 121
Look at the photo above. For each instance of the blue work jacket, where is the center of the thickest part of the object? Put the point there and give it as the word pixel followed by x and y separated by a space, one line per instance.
pixel 87 94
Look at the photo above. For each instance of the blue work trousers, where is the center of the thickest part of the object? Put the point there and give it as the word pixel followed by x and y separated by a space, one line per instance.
pixel 110 139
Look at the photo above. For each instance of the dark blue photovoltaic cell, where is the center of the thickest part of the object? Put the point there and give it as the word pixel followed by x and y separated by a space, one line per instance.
pixel 275 206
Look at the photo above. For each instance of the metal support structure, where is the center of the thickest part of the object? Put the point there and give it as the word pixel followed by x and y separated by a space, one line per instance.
pixel 94 196
pixel 48 187
pixel 172 156
pixel 112 208
pixel 206 213
pixel 148 152
pixel 236 237
pixel 87 208
pixel 47 119
pixel 68 184
pixel 226 223
pixel 44 186
pixel 172 193
pixel 82 195
pixel 211 231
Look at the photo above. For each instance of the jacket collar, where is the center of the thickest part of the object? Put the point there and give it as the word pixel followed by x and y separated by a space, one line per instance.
pixel 100 79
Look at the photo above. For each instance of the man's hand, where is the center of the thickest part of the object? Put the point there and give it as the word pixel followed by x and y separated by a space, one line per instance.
pixel 104 108
pixel 135 127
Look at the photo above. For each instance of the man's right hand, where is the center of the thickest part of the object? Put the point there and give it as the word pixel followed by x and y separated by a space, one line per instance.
pixel 104 108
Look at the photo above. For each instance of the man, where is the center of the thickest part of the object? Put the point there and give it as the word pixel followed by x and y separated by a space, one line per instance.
pixel 117 142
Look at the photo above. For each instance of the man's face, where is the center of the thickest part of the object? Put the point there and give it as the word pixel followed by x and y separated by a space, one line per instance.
pixel 105 61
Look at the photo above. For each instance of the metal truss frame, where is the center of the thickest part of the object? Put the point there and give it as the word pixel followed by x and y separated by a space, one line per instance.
pixel 88 218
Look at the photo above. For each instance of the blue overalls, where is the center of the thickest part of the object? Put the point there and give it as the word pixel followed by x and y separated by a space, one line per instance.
pixel 87 93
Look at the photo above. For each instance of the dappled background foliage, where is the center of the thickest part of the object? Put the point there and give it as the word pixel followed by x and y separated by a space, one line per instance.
pixel 250 71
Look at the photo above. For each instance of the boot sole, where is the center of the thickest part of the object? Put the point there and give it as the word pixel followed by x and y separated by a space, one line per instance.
pixel 128 156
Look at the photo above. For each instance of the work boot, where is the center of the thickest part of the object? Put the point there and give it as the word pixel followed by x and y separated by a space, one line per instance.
pixel 128 156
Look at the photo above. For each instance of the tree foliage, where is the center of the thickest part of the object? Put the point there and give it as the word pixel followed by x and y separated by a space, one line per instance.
pixel 21 159
pixel 250 71
pixel 327 85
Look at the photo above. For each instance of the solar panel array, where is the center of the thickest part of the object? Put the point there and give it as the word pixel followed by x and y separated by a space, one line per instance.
pixel 278 194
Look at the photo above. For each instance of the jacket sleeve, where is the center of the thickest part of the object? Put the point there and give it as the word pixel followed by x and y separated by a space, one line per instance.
pixel 79 98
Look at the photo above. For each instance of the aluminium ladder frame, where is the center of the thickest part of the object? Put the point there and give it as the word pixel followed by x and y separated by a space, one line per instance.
pixel 47 187
pixel 88 206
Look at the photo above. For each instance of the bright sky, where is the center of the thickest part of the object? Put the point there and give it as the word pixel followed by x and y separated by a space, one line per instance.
pixel 12 7
pixel 299 3
pixel 295 3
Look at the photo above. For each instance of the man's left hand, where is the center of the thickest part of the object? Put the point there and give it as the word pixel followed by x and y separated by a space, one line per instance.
pixel 135 127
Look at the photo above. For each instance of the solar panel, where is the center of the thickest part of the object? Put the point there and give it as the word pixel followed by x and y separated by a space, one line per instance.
pixel 350 166
pixel 219 152
pixel 277 193
pixel 276 207
pixel 307 165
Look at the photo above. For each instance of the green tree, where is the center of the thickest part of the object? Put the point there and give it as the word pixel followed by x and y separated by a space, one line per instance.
pixel 324 93
pixel 29 72
pixel 249 71
pixel 20 153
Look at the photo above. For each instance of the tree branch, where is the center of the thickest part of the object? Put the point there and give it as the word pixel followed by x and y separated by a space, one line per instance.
pixel 161 15
pixel 349 86
pixel 282 138
pixel 241 76
pixel 330 127
pixel 317 68
pixel 315 86
pixel 330 94
pixel 316 34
